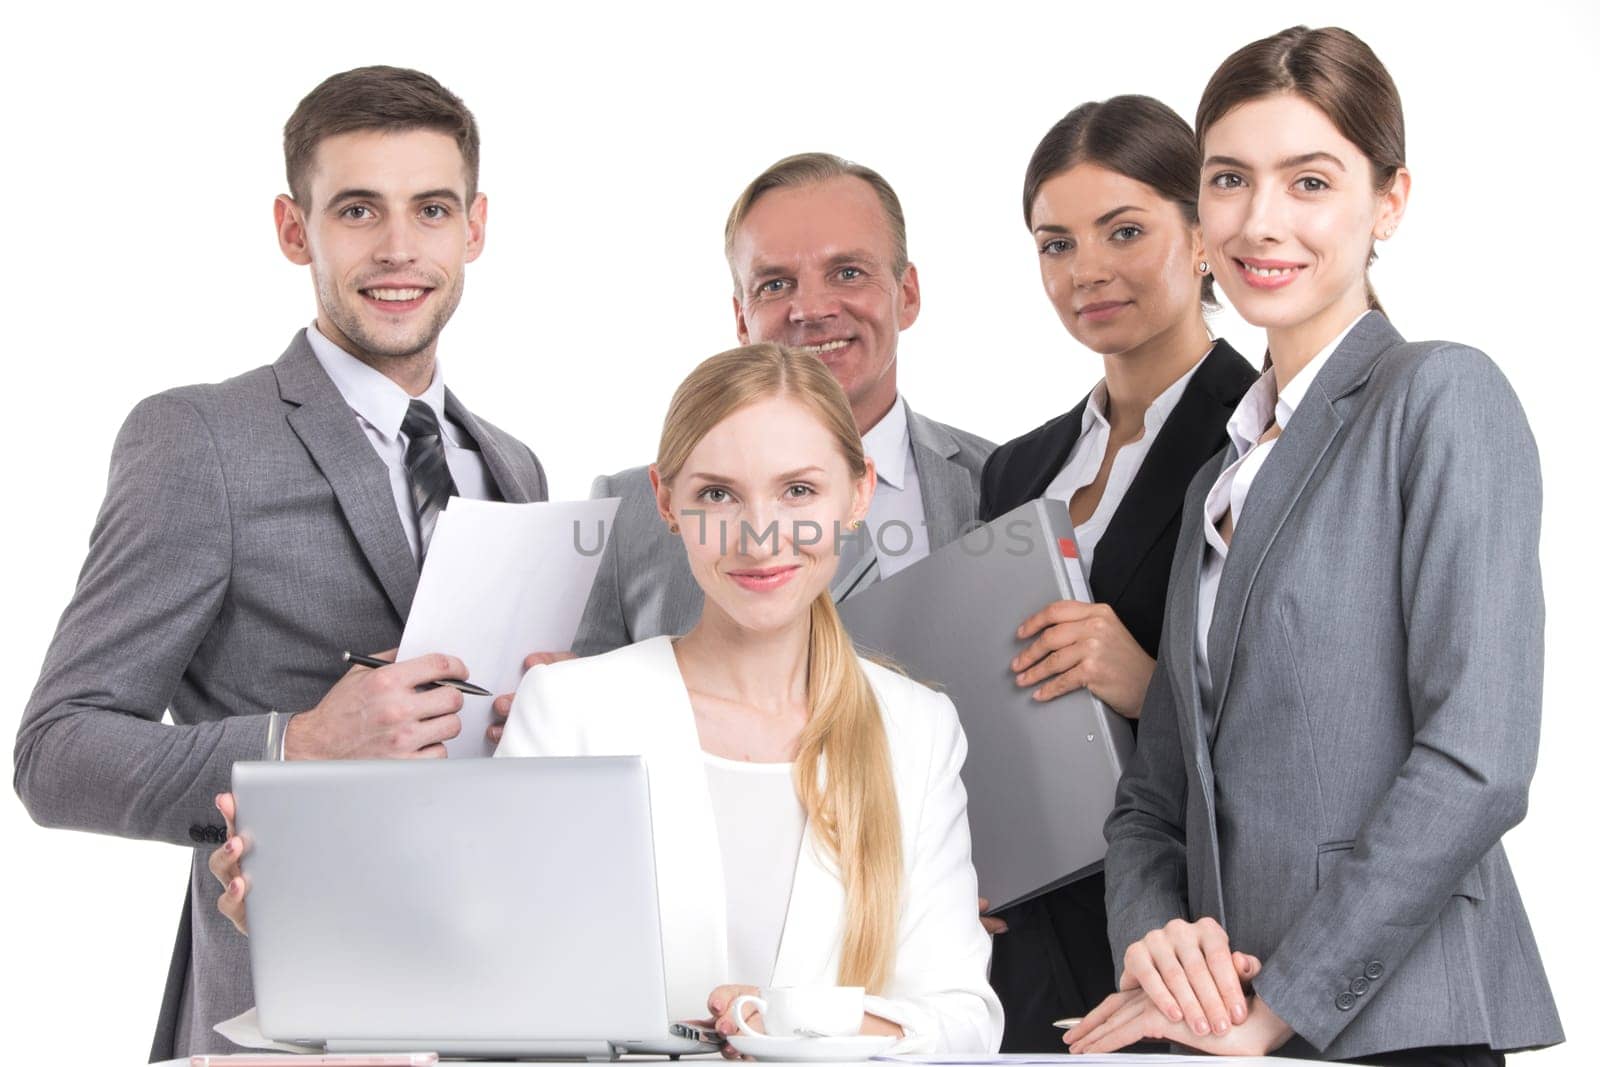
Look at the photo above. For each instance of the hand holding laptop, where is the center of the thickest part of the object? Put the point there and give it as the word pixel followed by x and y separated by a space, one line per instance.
pixel 224 865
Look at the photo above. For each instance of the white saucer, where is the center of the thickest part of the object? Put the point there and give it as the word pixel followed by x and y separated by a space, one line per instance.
pixel 811 1049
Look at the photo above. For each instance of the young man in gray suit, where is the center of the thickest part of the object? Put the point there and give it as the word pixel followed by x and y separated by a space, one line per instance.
pixel 254 529
pixel 817 247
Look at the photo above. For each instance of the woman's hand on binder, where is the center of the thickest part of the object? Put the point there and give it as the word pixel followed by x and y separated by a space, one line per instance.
pixel 224 864
pixel 1078 646
pixel 992 924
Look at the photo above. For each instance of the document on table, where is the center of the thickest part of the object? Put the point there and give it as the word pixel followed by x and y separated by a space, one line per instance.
pixel 501 581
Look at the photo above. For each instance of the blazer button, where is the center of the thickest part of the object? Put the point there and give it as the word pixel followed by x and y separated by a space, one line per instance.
pixel 1345 1001
pixel 197 833
pixel 1360 986
pixel 1374 970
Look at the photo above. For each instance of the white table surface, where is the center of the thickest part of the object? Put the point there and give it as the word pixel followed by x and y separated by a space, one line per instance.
pixel 1131 1058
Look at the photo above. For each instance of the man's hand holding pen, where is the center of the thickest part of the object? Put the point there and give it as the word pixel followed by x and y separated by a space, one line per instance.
pixel 394 711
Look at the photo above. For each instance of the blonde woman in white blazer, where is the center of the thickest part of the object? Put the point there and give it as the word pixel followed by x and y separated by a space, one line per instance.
pixel 741 719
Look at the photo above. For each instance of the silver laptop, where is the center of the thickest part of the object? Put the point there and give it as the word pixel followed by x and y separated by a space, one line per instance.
pixel 471 907
pixel 1040 778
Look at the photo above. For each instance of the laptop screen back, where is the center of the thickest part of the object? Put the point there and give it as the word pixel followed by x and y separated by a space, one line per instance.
pixel 453 903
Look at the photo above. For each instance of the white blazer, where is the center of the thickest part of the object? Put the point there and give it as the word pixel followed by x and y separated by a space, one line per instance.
pixel 633 702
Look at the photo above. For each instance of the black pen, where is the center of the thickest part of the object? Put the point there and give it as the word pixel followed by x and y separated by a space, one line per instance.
pixel 453 683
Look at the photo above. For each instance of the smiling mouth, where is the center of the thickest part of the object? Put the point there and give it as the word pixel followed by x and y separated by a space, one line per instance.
pixel 758 580
pixel 388 295
pixel 1267 274
pixel 824 348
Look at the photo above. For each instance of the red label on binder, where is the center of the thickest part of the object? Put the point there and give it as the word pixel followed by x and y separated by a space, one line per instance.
pixel 1069 547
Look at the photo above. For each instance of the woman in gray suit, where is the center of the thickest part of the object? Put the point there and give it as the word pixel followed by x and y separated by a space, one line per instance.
pixel 1345 713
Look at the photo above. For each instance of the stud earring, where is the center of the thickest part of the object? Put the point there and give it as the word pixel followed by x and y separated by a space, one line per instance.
pixel 1205 268
pixel 1388 233
pixel 672 526
pixel 856 525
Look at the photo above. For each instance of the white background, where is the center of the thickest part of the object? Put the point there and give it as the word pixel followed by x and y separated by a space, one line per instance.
pixel 143 153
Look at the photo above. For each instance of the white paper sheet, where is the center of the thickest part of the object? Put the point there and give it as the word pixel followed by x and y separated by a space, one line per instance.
pixel 501 581
pixel 244 1030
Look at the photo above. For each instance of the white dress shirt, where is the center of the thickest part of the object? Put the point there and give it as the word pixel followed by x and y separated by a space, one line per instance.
pixel 1089 452
pixel 898 498
pixel 380 406
pixel 1263 405
pixel 760 820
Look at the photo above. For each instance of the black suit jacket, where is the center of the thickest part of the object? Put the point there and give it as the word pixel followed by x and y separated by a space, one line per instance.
pixel 1055 960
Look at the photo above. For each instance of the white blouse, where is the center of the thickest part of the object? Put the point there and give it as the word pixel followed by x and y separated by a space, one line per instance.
pixel 633 701
pixel 1089 452
pixel 761 821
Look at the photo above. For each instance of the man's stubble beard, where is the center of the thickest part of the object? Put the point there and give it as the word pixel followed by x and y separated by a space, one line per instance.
pixel 371 349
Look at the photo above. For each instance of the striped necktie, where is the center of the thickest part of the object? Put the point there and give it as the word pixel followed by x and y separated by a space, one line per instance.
pixel 431 484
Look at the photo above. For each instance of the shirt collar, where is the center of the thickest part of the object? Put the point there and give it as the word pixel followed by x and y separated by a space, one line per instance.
pixel 1264 404
pixel 1155 416
pixel 370 393
pixel 1289 396
pixel 1094 412
pixel 888 445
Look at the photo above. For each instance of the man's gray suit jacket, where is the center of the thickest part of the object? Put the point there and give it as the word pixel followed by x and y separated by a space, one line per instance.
pixel 247 537
pixel 645 589
pixel 1377 659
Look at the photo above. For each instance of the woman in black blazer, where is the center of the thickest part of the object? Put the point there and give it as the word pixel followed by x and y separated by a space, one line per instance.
pixel 1109 197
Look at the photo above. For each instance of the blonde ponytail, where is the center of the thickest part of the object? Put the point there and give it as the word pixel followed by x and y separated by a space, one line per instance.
pixel 851 803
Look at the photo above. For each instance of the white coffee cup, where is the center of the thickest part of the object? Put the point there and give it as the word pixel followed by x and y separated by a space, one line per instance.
pixel 805 1011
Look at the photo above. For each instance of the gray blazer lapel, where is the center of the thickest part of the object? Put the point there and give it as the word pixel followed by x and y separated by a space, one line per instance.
pixel 1279 484
pixel 1183 592
pixel 947 488
pixel 503 468
pixel 359 478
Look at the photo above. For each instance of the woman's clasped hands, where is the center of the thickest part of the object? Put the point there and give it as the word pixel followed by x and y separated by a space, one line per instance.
pixel 1183 983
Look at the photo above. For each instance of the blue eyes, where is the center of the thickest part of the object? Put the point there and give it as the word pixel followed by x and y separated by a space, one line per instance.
pixel 716 494
pixel 777 285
